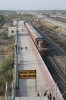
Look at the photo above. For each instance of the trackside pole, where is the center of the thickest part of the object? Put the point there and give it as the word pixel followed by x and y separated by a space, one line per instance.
pixel 35 82
pixel 56 90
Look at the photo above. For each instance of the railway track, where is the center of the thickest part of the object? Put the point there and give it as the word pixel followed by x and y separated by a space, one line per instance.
pixel 58 38
pixel 58 75
pixel 2 23
pixel 57 52
pixel 59 72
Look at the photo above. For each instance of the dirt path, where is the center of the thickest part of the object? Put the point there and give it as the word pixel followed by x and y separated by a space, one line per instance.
pixel 1 98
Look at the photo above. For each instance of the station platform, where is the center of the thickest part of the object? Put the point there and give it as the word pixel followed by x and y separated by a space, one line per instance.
pixel 31 98
pixel 30 59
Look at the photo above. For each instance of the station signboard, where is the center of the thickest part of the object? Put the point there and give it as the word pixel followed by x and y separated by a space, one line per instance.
pixel 27 74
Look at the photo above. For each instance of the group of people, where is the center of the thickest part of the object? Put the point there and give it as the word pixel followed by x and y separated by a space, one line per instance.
pixel 21 47
pixel 49 96
pixel 25 48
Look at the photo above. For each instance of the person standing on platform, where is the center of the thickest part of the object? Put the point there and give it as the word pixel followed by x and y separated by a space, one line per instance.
pixel 26 48
pixel 38 94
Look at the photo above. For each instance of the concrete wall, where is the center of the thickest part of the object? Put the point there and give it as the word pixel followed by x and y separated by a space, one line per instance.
pixel 11 31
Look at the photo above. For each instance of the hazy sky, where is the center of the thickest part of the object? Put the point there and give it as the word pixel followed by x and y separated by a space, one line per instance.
pixel 32 4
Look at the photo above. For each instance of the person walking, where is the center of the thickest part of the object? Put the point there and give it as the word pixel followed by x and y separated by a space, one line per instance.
pixel 26 48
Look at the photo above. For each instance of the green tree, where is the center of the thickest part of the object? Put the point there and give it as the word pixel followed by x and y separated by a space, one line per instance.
pixel 1 18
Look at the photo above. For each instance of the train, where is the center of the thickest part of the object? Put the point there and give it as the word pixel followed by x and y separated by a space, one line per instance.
pixel 60 18
pixel 37 39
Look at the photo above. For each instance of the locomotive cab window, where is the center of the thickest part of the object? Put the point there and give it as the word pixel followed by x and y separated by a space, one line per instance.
pixel 41 43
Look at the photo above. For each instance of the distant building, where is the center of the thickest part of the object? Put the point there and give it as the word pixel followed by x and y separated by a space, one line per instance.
pixel 6 15
pixel 15 22
pixel 11 31
pixel 22 12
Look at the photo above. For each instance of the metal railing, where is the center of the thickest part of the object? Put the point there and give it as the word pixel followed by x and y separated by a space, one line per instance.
pixel 8 95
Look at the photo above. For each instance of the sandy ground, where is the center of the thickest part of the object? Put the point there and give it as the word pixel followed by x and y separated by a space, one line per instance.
pixel 52 26
pixel 1 98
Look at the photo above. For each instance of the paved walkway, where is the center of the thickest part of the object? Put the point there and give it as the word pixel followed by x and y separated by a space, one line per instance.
pixel 27 61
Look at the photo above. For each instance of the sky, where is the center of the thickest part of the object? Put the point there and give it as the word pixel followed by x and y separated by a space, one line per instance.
pixel 32 4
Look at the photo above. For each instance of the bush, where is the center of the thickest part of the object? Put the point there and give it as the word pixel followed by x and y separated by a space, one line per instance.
pixel 6 70
pixel 55 27
pixel 6 73
pixel 1 18
pixel 7 64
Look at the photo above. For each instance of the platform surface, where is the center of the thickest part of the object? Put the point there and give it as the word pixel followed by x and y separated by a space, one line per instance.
pixel 28 60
